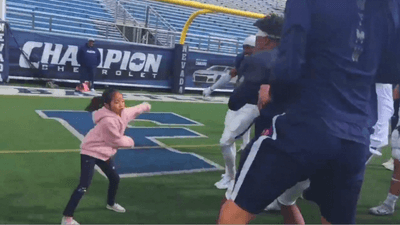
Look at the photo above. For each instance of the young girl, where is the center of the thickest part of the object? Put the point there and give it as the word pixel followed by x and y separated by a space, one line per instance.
pixel 100 145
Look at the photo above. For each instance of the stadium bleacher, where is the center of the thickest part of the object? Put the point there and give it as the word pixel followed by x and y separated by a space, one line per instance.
pixel 209 25
pixel 258 6
pixel 88 18
pixel 74 17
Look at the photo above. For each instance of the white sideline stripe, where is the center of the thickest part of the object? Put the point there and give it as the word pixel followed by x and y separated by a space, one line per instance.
pixel 130 175
pixel 62 93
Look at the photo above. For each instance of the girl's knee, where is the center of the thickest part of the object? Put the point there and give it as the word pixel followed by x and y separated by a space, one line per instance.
pixel 115 179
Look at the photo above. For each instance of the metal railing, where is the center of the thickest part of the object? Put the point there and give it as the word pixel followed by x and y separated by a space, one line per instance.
pixel 121 15
pixel 153 19
pixel 151 11
pixel 64 24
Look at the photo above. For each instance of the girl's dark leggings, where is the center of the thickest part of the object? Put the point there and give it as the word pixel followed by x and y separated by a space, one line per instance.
pixel 87 171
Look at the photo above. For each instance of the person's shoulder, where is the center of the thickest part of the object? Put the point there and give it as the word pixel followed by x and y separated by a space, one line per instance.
pixel 240 55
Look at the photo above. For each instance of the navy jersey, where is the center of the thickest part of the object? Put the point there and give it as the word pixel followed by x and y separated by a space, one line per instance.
pixel 331 52
pixel 257 69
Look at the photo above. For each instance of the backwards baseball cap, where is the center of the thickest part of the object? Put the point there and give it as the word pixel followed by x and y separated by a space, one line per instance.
pixel 250 41
pixel 270 26
pixel 91 39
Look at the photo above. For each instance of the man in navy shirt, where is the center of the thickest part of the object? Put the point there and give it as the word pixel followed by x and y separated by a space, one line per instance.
pixel 257 69
pixel 89 58
pixel 329 56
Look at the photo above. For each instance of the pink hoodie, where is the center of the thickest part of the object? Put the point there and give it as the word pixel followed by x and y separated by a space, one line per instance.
pixel 107 136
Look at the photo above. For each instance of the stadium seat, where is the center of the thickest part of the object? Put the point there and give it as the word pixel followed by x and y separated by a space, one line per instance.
pixel 75 17
pixel 213 31
pixel 209 25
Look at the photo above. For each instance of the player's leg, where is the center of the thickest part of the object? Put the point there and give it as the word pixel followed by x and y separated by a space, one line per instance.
pixel 246 139
pixel 388 206
pixel 336 186
pixel 87 170
pixel 108 167
pixel 264 175
pixel 231 213
pixel 270 167
pixel 287 200
pixel 292 215
pixel 228 148
pixel 380 137
pixel 236 123
pixel 394 121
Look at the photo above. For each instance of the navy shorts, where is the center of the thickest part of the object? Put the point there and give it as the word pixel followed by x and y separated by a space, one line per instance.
pixel 293 151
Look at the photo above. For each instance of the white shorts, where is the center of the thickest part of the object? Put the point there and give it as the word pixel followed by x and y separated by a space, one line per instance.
pixel 237 122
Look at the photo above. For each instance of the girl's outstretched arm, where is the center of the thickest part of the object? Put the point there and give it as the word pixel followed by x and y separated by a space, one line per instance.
pixel 132 112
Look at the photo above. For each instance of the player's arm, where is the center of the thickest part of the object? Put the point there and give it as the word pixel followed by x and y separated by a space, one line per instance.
pixel 264 96
pixel 238 61
pixel 233 72
pixel 227 77
pixel 292 50
pixel 221 82
pixel 396 93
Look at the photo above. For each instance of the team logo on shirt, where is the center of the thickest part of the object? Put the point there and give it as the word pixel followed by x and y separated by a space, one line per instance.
pixel 267 132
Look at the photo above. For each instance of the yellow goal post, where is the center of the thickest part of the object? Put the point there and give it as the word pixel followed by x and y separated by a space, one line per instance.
pixel 208 8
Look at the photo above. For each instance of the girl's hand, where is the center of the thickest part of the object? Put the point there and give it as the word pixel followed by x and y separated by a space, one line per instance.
pixel 148 106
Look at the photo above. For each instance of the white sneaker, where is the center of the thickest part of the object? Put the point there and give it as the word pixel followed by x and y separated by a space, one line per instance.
pixel 274 206
pixel 389 164
pixel 382 210
pixel 68 221
pixel 116 207
pixel 92 90
pixel 224 182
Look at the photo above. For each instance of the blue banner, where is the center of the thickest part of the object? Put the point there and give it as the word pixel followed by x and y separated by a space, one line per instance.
pixel 204 69
pixel 51 56
pixel 55 57
pixel 4 40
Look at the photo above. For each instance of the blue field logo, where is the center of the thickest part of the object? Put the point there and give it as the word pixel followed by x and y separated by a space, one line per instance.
pixel 154 158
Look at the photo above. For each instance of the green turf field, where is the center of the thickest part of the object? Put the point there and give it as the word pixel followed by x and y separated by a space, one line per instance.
pixel 35 187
